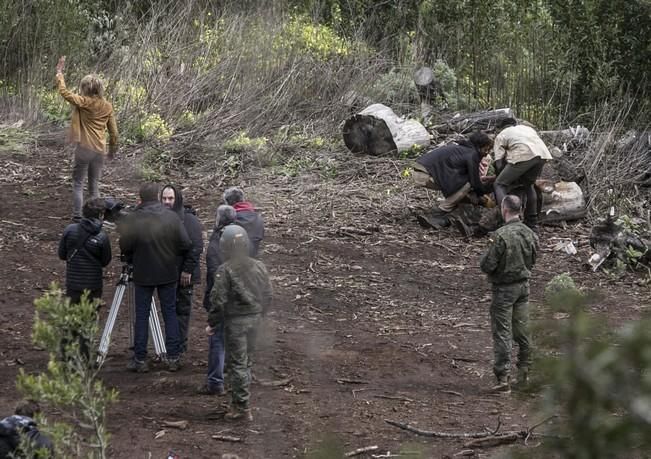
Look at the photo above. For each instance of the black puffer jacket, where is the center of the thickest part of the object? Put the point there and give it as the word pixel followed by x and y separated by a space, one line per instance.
pixel 454 165
pixel 84 265
pixel 152 239
pixel 191 262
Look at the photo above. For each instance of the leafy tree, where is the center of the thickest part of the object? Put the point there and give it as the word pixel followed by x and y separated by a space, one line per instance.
pixel 70 383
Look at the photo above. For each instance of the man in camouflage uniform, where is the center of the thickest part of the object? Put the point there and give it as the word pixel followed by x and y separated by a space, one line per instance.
pixel 240 296
pixel 508 262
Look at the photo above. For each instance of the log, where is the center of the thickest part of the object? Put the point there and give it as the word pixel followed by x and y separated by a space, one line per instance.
pixel 377 130
pixel 486 121
pixel 561 201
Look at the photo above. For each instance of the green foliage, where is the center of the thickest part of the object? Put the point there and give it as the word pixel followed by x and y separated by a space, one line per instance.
pixel 53 106
pixel 559 286
pixel 242 143
pixel 302 35
pixel 14 140
pixel 70 384
pixel 153 126
pixel 395 87
pixel 599 385
pixel 414 152
pixel 447 78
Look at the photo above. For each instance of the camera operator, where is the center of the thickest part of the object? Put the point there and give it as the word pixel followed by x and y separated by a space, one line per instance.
pixel 152 239
pixel 86 248
pixel 190 266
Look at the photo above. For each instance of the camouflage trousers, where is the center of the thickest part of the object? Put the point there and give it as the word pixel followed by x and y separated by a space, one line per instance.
pixel 240 335
pixel 510 320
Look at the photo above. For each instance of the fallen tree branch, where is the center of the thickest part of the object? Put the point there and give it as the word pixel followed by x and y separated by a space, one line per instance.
pixel 431 433
pixel 228 438
pixel 395 397
pixel 494 440
pixel 358 451
pixel 480 439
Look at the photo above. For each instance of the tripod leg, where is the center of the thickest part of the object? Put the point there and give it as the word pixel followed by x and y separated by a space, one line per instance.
pixel 157 332
pixel 110 323
pixel 131 313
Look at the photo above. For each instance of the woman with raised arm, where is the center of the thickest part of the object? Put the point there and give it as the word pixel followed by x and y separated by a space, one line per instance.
pixel 92 115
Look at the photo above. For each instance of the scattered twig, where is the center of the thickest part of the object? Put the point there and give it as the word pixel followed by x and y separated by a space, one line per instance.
pixel 452 392
pixel 493 440
pixel 358 451
pixel 278 383
pixel 394 397
pixel 431 433
pixel 228 438
pixel 351 381
pixel 176 424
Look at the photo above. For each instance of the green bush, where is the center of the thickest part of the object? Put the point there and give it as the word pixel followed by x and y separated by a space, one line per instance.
pixel 70 384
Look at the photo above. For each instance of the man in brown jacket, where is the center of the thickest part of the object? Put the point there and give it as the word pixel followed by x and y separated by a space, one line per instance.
pixel 92 115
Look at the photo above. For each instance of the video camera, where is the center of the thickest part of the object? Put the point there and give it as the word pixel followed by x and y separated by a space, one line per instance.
pixel 115 210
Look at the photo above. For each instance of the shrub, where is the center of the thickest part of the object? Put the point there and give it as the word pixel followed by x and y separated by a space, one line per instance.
pixel 69 385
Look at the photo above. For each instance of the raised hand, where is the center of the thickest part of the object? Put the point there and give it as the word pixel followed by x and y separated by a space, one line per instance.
pixel 60 64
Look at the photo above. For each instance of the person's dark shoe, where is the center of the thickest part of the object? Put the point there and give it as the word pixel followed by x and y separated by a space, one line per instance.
pixel 137 366
pixel 206 389
pixel 503 386
pixel 237 413
pixel 174 364
pixel 76 218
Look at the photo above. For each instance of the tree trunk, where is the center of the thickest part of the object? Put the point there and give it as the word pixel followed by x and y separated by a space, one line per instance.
pixel 377 130
pixel 486 121
pixel 561 201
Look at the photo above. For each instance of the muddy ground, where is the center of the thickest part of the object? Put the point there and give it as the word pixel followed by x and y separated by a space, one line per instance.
pixel 374 318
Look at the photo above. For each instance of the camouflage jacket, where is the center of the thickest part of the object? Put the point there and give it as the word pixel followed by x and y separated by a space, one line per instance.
pixel 241 287
pixel 511 254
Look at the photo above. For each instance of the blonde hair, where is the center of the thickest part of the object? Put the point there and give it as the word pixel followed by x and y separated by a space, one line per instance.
pixel 91 86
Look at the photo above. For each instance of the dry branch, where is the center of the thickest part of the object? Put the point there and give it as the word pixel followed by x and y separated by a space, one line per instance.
pixel 228 438
pixel 358 451
pixel 435 434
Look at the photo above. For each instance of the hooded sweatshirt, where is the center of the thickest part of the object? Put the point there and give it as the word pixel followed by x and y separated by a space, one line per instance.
pixel 86 249
pixel 191 263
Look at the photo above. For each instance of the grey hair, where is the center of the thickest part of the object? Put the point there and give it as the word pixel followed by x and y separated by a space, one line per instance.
pixel 225 215
pixel 512 203
pixel 233 195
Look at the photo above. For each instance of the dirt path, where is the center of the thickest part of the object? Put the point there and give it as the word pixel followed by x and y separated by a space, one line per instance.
pixel 391 324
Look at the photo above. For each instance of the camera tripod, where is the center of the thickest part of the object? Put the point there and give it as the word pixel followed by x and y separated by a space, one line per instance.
pixel 125 284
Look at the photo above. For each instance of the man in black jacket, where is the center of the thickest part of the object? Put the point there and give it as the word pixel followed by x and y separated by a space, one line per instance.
pixel 454 169
pixel 152 240
pixel 190 266
pixel 86 248
pixel 247 217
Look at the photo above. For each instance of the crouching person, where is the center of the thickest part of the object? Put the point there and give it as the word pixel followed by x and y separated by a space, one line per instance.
pixel 240 296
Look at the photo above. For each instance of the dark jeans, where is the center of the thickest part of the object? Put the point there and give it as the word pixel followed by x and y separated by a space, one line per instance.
pixel 167 297
pixel 183 311
pixel 216 353
pixel 523 175
pixel 88 163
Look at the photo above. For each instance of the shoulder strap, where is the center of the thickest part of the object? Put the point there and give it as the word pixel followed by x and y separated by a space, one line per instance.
pixel 80 244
